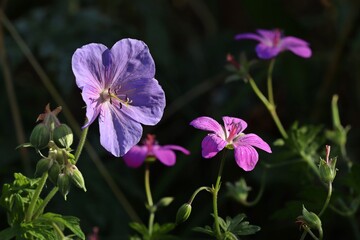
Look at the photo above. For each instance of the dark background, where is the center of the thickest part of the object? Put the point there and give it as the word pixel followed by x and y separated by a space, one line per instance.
pixel 189 40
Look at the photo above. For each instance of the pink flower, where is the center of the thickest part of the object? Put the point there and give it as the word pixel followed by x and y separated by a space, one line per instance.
pixel 151 149
pixel 272 42
pixel 230 136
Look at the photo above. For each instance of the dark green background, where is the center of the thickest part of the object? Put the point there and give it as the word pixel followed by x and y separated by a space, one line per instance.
pixel 189 40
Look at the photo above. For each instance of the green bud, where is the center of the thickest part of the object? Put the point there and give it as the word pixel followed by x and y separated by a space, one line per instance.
pixel 311 219
pixel 63 136
pixel 63 183
pixel 40 136
pixel 327 170
pixel 76 177
pixel 164 202
pixel 54 172
pixel 183 213
pixel 42 166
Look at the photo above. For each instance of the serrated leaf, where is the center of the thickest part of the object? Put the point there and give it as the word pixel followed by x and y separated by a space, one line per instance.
pixel 163 229
pixel 140 228
pixel 230 236
pixel 246 229
pixel 207 230
pixel 236 221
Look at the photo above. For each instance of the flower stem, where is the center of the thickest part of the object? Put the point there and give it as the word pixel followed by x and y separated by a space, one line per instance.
pixel 81 142
pixel 269 105
pixel 269 82
pixel 326 204
pixel 215 196
pixel 30 210
pixel 45 202
pixel 196 192
pixel 149 198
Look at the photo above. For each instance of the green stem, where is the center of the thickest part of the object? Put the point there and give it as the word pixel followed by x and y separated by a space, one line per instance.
pixel 81 142
pixel 196 192
pixel 269 82
pixel 215 195
pixel 30 210
pixel 270 106
pixel 326 204
pixel 260 193
pixel 58 230
pixel 149 198
pixel 45 202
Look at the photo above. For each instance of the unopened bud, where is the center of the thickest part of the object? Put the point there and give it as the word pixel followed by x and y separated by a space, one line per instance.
pixel 327 170
pixel 42 166
pixel 40 136
pixel 63 183
pixel 183 213
pixel 54 172
pixel 63 136
pixel 76 176
pixel 164 202
pixel 311 219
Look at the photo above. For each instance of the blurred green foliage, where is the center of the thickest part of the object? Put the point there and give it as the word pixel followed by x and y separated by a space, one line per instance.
pixel 189 40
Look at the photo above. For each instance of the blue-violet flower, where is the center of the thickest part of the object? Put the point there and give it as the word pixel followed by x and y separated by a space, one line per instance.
pixel 230 136
pixel 118 85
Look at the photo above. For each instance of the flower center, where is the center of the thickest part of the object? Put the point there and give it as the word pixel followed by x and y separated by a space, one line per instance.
pixel 114 98
pixel 234 130
pixel 276 37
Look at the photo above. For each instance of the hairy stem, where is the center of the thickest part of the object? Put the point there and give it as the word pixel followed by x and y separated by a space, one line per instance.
pixel 31 208
pixel 45 202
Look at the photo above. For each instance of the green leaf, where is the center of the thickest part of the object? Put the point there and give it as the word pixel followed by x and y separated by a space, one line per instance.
pixel 246 229
pixel 140 228
pixel 163 229
pixel 70 222
pixel 8 233
pixel 207 230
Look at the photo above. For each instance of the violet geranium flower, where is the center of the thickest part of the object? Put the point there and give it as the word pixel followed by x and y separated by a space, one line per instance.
pixel 272 42
pixel 118 85
pixel 230 136
pixel 150 150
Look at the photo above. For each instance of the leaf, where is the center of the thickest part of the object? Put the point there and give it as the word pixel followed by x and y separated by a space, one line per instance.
pixel 70 222
pixel 236 221
pixel 8 233
pixel 163 229
pixel 246 229
pixel 140 228
pixel 207 230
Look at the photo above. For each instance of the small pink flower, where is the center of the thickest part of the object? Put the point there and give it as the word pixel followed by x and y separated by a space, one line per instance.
pixel 165 154
pixel 230 136
pixel 272 42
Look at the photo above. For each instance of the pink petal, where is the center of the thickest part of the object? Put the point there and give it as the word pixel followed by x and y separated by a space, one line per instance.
pixel 228 121
pixel 267 52
pixel 297 46
pixel 268 34
pixel 176 147
pixel 246 157
pixel 166 156
pixel 118 133
pixel 253 140
pixel 208 124
pixel 87 65
pixel 211 145
pixel 135 156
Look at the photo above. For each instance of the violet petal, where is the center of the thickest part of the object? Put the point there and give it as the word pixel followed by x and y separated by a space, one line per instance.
pixel 211 145
pixel 176 147
pixel 208 124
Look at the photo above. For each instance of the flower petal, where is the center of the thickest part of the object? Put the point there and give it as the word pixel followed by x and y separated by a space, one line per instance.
pixel 246 157
pixel 229 121
pixel 166 156
pixel 86 65
pixel 90 95
pixel 268 35
pixel 135 156
pixel 208 124
pixel 147 100
pixel 133 61
pixel 211 145
pixel 248 36
pixel 266 52
pixel 118 133
pixel 176 147
pixel 253 140
pixel 297 46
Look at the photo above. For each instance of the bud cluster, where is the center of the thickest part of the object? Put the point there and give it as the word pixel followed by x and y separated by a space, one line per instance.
pixel 60 163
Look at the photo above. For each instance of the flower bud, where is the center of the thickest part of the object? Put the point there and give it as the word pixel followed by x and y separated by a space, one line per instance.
pixel 311 219
pixel 327 170
pixel 63 136
pixel 42 166
pixel 63 183
pixel 54 172
pixel 183 213
pixel 76 177
pixel 164 202
pixel 40 136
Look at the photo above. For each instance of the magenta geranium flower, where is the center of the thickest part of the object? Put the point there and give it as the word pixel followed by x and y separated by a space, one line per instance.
pixel 118 85
pixel 151 149
pixel 230 136
pixel 272 42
